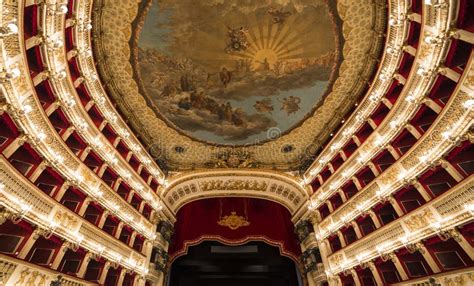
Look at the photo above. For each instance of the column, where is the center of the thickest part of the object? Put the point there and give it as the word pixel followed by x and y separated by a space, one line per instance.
pixel 85 153
pixel 395 206
pixel 103 218
pixel 37 172
pixel 341 238
pixel 324 251
pixel 320 179
pixel 84 206
pixel 130 196
pixel 343 195
pixel 147 248
pixel 60 193
pixel 84 264
pixel 372 123
pixel 331 168
pixel 121 276
pixel 393 152
pixel 29 243
pixel 466 246
pixel 356 140
pixel 142 205
pixel 374 218
pixel 328 203
pixel 132 238
pixel 116 141
pixel 427 256
pixel 102 169
pixel 59 256
pixel 309 277
pixel 102 125
pixel 103 274
pixel 423 192
pixel 413 131
pixel 357 183
pixel 89 104
pixel 356 229
pixel 140 168
pixel 13 146
pixel 117 183
pixel 355 277
pixel 375 273
pixel 343 155
pixel 374 170
pixel 129 156
pixel 451 170
pixel 118 230
pixel 398 265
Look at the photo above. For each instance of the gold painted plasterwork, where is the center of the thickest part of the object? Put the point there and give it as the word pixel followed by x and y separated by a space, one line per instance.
pixel 238 183
pixel 360 18
pixel 233 221
pixel 233 185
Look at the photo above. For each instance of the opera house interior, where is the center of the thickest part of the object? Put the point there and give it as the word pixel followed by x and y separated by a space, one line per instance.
pixel 236 142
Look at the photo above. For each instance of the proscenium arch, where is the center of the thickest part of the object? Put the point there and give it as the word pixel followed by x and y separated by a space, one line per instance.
pixel 267 185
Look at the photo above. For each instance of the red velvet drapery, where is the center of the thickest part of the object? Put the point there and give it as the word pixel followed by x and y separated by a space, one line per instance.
pixel 268 222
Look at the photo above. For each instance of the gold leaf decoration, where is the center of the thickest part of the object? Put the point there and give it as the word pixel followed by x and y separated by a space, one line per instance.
pixel 233 221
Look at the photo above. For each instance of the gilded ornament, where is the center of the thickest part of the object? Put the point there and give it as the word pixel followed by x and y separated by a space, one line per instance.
pixel 233 185
pixel 233 159
pixel 419 221
pixel 66 220
pixel 233 221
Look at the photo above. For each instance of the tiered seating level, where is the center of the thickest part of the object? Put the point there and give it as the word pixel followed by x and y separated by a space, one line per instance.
pixel 99 203
pixel 363 220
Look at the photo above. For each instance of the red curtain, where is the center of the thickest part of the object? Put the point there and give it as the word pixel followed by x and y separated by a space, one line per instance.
pixel 267 221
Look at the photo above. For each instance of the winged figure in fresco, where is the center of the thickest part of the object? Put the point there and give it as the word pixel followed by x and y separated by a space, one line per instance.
pixel 237 39
pixel 263 106
pixel 278 15
pixel 290 104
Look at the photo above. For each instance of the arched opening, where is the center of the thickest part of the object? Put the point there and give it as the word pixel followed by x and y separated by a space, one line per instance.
pixel 233 241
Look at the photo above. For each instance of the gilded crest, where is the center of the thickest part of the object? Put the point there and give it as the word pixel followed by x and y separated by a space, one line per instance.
pixel 419 221
pixel 233 221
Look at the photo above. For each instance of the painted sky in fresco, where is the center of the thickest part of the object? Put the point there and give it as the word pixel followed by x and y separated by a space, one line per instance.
pixel 227 73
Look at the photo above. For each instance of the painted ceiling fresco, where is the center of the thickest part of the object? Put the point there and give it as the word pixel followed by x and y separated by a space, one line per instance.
pixel 236 72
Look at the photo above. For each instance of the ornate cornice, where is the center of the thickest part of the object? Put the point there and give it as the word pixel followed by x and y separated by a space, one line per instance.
pixel 24 201
pixel 449 128
pixel 268 185
pixel 399 114
pixel 440 215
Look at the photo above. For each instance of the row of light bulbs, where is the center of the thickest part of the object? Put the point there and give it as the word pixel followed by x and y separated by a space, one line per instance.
pixel 366 108
pixel 51 226
pixel 112 159
pixel 451 134
pixel 39 136
pixel 11 28
pixel 83 27
pixel 363 158
pixel 380 140
pixel 436 227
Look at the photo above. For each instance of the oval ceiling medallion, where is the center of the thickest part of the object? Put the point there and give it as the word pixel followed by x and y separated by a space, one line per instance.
pixel 227 71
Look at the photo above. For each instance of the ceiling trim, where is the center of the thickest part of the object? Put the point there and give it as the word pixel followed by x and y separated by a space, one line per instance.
pixel 267 185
